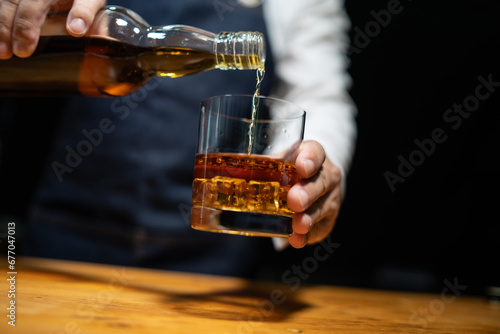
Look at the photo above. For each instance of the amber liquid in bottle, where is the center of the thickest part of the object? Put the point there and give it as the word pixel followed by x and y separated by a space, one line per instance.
pixel 64 65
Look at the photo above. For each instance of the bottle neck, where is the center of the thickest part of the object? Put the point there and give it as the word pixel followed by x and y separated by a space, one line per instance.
pixel 184 50
pixel 240 50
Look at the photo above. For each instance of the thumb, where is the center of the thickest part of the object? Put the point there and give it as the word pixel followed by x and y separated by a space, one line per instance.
pixel 82 15
pixel 310 158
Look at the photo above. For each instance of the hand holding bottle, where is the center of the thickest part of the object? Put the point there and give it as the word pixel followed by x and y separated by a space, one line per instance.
pixel 115 59
pixel 21 20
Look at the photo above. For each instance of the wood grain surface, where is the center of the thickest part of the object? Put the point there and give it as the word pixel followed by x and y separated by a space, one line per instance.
pixel 63 297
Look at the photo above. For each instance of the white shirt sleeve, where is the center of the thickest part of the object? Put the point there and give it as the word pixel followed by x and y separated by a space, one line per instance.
pixel 309 41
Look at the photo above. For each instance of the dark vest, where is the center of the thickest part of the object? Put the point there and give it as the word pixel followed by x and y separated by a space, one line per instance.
pixel 127 197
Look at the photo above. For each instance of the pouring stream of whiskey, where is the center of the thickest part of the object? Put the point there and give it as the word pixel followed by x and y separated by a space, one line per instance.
pixel 255 109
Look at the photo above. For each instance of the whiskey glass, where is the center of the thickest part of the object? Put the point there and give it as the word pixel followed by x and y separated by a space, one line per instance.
pixel 245 165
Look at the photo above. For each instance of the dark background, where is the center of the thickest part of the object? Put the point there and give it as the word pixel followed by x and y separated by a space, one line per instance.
pixel 440 223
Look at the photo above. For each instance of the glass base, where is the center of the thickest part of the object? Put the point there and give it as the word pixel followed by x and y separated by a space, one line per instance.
pixel 240 222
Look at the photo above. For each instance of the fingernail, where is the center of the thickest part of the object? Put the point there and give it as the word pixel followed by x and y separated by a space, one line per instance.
pixel 20 49
pixel 304 240
pixel 4 50
pixel 303 199
pixel 77 26
pixel 310 223
pixel 309 167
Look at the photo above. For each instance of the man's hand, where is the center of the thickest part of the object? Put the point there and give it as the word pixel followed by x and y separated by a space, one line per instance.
pixel 21 20
pixel 316 199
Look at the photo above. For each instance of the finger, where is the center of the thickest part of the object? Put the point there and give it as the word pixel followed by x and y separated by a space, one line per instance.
pixel 303 194
pixel 82 15
pixel 309 159
pixel 308 163
pixel 61 6
pixel 326 206
pixel 8 9
pixel 29 18
pixel 298 240
pixel 319 232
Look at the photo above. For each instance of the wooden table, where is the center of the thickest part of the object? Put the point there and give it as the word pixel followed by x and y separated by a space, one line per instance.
pixel 61 297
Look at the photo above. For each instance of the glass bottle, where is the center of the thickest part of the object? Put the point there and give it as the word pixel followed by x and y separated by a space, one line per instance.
pixel 120 53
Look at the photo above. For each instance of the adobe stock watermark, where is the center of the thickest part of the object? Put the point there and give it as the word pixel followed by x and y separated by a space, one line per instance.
pixel 425 315
pixel 453 119
pixel 92 138
pixel 381 19
pixel 293 278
